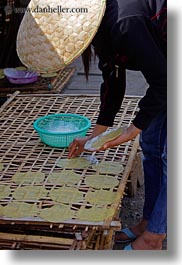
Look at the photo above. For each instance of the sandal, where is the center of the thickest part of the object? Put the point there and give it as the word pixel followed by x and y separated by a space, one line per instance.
pixel 131 236
pixel 128 247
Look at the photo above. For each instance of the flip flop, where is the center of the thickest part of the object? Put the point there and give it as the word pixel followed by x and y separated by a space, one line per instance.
pixel 128 247
pixel 131 236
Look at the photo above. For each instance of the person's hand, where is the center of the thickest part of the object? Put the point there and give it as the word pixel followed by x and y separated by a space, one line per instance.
pixel 128 134
pixel 77 147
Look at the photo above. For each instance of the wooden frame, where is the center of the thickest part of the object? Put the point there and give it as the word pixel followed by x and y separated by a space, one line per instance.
pixel 21 150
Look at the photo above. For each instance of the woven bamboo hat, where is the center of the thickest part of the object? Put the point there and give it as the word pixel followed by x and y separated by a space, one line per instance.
pixel 55 32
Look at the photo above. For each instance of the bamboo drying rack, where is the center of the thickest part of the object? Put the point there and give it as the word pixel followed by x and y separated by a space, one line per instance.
pixel 21 150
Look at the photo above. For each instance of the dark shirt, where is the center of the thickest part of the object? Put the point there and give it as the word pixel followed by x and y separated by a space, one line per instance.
pixel 132 35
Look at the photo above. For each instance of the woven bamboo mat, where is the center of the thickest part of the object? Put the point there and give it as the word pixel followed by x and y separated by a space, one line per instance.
pixel 43 85
pixel 21 150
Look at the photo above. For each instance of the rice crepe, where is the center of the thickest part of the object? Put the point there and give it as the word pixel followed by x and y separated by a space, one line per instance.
pixel 97 142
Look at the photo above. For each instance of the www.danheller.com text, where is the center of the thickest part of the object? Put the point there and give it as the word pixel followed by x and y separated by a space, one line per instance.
pixel 48 9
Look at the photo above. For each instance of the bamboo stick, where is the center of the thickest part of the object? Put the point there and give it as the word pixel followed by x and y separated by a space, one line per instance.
pixel 9 100
pixel 36 239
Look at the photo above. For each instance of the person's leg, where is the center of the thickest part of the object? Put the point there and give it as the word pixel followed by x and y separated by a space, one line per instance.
pixel 153 143
pixel 154 146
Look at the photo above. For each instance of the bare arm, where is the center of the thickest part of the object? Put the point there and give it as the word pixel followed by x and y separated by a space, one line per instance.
pixel 128 134
pixel 77 146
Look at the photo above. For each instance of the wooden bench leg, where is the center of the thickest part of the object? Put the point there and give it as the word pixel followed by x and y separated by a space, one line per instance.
pixel 136 178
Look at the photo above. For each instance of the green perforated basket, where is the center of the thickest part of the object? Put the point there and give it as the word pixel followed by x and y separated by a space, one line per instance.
pixel 59 130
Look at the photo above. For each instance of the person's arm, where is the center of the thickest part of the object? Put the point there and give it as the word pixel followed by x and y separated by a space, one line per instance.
pixel 143 47
pixel 128 134
pixel 77 146
pixel 112 92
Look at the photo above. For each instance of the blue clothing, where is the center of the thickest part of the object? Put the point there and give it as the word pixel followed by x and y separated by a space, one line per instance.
pixel 153 141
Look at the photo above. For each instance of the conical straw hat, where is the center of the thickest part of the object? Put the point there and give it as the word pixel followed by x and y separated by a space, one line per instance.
pixel 55 32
